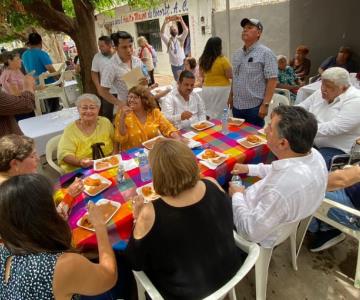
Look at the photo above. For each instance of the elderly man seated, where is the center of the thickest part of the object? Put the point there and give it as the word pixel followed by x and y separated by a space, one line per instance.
pixel 291 188
pixel 182 106
pixel 336 107
pixel 344 188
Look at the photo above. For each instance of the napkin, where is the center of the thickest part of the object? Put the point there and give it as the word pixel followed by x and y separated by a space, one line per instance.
pixel 129 164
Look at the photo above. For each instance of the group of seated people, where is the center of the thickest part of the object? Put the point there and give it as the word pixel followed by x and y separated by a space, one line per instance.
pixel 184 240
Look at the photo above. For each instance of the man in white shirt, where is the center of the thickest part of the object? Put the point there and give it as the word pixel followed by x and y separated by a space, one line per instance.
pixel 336 107
pixel 120 63
pixel 100 60
pixel 291 188
pixel 175 44
pixel 182 106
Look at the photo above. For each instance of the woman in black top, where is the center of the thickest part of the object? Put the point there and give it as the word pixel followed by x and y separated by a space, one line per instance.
pixel 184 240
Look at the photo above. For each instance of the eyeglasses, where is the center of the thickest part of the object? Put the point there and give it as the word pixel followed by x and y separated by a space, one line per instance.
pixel 91 107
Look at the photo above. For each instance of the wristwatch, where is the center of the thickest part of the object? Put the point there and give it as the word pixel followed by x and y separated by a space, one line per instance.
pixel 265 104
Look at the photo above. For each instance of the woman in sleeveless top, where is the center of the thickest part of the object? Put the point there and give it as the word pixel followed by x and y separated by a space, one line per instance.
pixel 184 240
pixel 36 261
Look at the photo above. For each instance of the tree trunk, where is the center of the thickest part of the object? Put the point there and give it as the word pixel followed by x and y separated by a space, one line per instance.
pixel 85 39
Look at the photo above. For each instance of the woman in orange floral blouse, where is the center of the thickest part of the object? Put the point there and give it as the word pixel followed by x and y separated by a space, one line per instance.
pixel 141 120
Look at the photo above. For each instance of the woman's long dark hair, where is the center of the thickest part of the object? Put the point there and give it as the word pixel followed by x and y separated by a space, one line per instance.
pixel 212 50
pixel 29 220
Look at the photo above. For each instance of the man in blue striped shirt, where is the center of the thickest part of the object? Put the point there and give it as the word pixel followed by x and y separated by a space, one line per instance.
pixel 255 74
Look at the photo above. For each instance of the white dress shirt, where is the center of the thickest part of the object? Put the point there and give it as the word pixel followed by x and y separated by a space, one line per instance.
pixel 175 104
pixel 339 121
pixel 290 190
pixel 113 72
pixel 175 47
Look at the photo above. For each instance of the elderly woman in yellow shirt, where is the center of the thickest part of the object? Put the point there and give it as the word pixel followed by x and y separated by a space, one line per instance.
pixel 216 70
pixel 141 120
pixel 75 149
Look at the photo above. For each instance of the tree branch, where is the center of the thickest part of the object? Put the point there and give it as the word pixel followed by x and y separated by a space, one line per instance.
pixel 50 18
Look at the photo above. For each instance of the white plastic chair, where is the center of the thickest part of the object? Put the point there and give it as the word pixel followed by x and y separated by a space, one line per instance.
pixel 322 214
pixel 276 100
pixel 296 231
pixel 51 148
pixel 284 92
pixel 253 250
pixel 51 90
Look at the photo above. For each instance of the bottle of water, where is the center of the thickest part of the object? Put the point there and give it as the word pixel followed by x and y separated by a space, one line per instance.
pixel 145 171
pixel 224 121
pixel 121 173
pixel 236 179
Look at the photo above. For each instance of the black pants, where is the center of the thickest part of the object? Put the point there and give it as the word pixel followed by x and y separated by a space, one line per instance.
pixel 152 79
pixel 107 109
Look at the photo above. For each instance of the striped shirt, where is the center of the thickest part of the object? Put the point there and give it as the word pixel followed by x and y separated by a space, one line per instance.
pixel 12 105
pixel 251 69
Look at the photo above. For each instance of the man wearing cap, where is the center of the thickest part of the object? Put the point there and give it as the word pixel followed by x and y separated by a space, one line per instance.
pixel 255 74
pixel 37 60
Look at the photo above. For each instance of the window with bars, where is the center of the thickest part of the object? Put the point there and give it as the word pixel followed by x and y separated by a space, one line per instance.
pixel 151 31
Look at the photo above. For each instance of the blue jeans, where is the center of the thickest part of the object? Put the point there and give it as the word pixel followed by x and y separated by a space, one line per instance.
pixel 176 70
pixel 250 115
pixel 335 214
pixel 328 153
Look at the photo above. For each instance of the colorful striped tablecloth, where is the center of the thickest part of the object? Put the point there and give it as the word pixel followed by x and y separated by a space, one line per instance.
pixel 120 226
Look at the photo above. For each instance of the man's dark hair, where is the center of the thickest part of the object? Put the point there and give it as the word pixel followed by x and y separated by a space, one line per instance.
pixel 34 39
pixel 121 35
pixel 298 126
pixel 106 39
pixel 186 74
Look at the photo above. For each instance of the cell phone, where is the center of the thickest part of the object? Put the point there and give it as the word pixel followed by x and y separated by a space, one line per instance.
pixel 339 161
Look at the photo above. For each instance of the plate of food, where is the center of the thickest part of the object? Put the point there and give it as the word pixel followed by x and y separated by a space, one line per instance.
pixel 251 141
pixel 95 184
pixel 213 157
pixel 202 125
pixel 149 144
pixel 148 192
pixel 107 162
pixel 235 121
pixel 107 207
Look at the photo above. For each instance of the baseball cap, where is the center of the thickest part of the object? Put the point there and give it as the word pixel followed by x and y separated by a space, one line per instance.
pixel 254 22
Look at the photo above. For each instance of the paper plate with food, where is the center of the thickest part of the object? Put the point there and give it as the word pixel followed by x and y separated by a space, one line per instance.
pixel 202 125
pixel 149 144
pixel 251 141
pixel 148 192
pixel 107 162
pixel 95 184
pixel 107 207
pixel 213 157
pixel 235 121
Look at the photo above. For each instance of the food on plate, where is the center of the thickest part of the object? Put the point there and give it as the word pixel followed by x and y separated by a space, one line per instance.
pixel 92 181
pixel 147 191
pixel 95 189
pixel 254 139
pixel 208 153
pixel 101 164
pixel 218 160
pixel 235 121
pixel 201 125
pixel 106 209
pixel 114 160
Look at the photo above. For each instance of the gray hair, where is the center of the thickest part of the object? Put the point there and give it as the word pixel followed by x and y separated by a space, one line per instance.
pixel 91 97
pixel 280 57
pixel 338 76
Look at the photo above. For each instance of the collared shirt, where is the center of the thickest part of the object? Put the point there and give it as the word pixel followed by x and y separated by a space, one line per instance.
pixel 251 69
pixel 98 65
pixel 290 190
pixel 175 104
pixel 175 47
pixel 113 72
pixel 339 121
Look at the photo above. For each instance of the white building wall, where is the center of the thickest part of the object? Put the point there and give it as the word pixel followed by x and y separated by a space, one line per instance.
pixel 199 28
